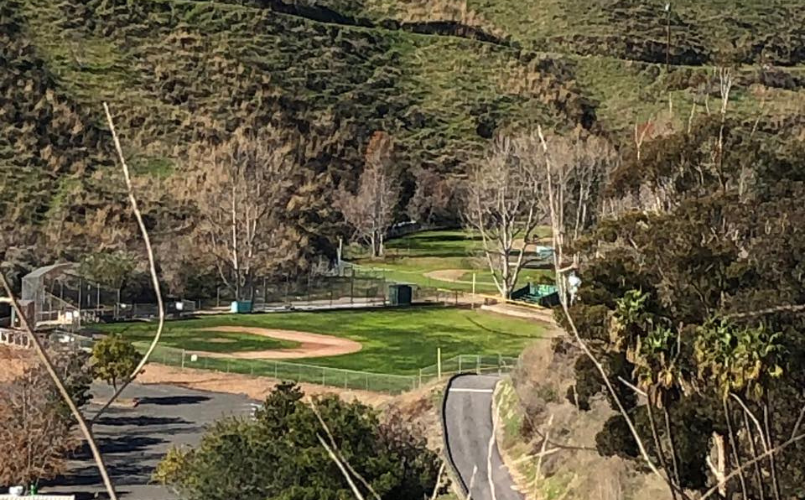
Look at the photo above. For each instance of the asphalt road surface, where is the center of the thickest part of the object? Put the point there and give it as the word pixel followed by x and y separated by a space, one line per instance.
pixel 134 440
pixel 468 428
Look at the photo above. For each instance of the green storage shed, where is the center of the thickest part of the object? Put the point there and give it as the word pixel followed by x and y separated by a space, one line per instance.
pixel 401 295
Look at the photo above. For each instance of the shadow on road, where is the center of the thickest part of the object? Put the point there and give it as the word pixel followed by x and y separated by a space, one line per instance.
pixel 140 421
pixel 173 400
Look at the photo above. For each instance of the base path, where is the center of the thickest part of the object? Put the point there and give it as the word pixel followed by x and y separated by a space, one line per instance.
pixel 450 276
pixel 470 439
pixel 312 345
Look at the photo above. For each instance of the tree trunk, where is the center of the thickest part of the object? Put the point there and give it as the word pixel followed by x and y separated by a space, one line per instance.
pixel 672 443
pixel 770 442
pixel 721 464
pixel 660 451
pixel 734 447
pixel 753 449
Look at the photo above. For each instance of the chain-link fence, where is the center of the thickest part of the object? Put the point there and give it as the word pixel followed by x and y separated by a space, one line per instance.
pixel 336 377
pixel 313 291
pixel 468 363
pixel 296 372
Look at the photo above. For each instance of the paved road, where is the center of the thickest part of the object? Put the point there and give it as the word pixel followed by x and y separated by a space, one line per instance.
pixel 134 440
pixel 468 426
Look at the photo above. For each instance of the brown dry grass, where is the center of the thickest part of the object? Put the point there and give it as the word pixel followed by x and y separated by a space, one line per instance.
pixel 13 362
pixel 234 383
pixel 538 390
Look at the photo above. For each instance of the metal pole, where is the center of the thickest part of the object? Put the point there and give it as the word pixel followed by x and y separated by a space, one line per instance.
pixel 420 377
pixel 439 362
pixel 459 363
pixel 478 364
pixel 183 354
pixel 473 290
pixel 352 286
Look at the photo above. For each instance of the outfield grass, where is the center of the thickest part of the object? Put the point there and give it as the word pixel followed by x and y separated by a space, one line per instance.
pixel 395 341
pixel 410 259
pixel 188 335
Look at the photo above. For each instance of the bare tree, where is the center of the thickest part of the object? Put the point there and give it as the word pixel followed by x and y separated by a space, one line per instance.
pixel 370 211
pixel 510 193
pixel 575 175
pixel 239 188
pixel 35 431
pixel 504 204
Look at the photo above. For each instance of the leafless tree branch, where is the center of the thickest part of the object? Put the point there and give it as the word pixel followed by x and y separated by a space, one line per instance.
pixel 43 356
pixel 151 266
pixel 583 345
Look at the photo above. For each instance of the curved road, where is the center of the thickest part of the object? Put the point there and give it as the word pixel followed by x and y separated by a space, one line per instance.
pixel 467 415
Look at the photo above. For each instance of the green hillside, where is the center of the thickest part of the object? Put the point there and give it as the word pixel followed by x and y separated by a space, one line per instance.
pixel 441 77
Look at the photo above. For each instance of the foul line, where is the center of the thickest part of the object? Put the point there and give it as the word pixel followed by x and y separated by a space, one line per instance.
pixel 458 389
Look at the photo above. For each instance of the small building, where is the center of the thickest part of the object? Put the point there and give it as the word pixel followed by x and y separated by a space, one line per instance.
pixel 401 295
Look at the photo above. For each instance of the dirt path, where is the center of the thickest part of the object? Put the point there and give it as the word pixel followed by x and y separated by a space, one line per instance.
pixel 449 275
pixel 312 345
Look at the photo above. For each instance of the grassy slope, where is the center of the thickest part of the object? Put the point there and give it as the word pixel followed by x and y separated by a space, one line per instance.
pixel 394 341
pixel 178 70
pixel 409 259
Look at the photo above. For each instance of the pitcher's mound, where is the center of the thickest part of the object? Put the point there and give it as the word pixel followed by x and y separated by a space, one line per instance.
pixel 312 345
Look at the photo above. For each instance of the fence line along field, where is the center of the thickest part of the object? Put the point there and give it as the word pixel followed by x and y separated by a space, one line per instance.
pixel 392 341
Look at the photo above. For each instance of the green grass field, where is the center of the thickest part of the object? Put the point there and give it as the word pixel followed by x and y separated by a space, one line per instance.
pixel 412 259
pixel 395 341
pixel 188 335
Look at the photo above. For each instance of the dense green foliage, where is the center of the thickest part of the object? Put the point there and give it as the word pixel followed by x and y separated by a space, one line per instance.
pixel 114 359
pixel 280 455
pixel 698 302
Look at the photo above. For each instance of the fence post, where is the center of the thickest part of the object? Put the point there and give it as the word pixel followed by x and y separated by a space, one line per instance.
pixel 473 290
pixel 352 286
pixel 500 364
pixel 183 353
pixel 439 363
pixel 478 364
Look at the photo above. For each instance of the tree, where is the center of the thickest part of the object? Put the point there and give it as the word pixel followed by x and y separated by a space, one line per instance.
pixel 436 198
pixel 370 211
pixel 110 269
pixel 36 428
pixel 239 189
pixel 280 455
pixel 114 359
pixel 504 205
pixel 700 293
